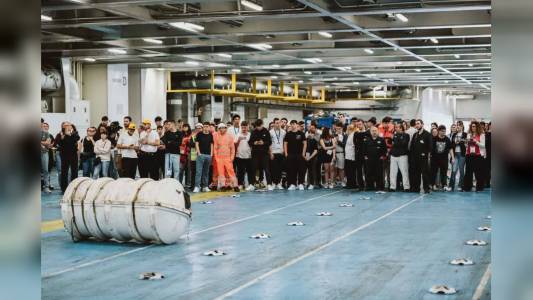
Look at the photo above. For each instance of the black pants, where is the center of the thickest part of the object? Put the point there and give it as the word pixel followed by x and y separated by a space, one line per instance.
pixel 295 169
pixel 66 164
pixel 260 164
pixel 374 174
pixel 349 171
pixel 313 171
pixel 129 167
pixel 276 166
pixel 359 167
pixel 439 164
pixel 487 176
pixel 244 166
pixel 420 170
pixel 411 165
pixel 148 165
pixel 474 166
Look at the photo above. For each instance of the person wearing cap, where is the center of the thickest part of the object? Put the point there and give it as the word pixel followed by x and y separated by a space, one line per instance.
pixel 128 143
pixel 149 141
pixel 224 152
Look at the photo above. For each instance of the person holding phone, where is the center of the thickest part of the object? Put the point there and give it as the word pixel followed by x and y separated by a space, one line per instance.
pixel 102 149
pixel 475 153
pixel 68 145
pixel 128 143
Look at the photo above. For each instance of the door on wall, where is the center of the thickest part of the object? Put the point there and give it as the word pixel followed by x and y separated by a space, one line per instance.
pixel 80 115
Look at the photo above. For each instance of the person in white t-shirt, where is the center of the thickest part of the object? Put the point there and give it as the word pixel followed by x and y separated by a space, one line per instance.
pixel 277 157
pixel 128 143
pixel 149 141
pixel 243 155
pixel 235 127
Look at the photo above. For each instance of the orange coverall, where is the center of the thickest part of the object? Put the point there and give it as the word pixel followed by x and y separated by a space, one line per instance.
pixel 224 151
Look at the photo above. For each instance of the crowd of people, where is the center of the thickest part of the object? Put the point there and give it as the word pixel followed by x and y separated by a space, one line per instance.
pixel 355 154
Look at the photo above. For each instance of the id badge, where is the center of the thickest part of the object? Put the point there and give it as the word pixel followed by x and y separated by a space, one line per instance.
pixel 329 152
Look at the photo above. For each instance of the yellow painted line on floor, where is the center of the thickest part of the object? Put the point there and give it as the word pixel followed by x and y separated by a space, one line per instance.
pixel 54 225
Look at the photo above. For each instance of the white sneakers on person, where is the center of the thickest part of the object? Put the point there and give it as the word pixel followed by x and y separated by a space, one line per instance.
pixel 270 187
pixel 47 190
pixel 196 190
pixel 331 186
pixel 279 186
pixel 250 188
pixel 310 187
pixel 206 189
pixel 292 187
pixel 301 187
pixel 343 184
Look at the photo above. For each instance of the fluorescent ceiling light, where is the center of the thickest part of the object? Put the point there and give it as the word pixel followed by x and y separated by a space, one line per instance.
pixel 356 83
pixel 308 72
pixel 117 51
pixel 344 68
pixel 434 40
pixel 236 70
pixel 402 18
pixel 369 51
pixel 153 41
pixel 327 86
pixel 187 26
pixel 46 18
pixel 418 70
pixel 274 77
pixel 89 59
pixel 399 63
pixel 457 56
pixel 192 63
pixel 260 46
pixel 300 81
pixel 325 34
pixel 252 5
pixel 275 66
pixel 225 55
pixel 446 81
pixel 470 65
pixel 313 60
pixel 371 75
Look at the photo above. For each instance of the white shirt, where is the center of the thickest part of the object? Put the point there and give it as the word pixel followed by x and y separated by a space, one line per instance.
pixel 350 148
pixel 411 131
pixel 234 131
pixel 243 149
pixel 277 137
pixel 152 138
pixel 103 149
pixel 127 140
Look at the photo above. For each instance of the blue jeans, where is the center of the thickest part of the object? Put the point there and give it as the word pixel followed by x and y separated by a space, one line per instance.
pixel 45 175
pixel 172 165
pixel 58 166
pixel 458 165
pixel 103 167
pixel 203 161
pixel 87 165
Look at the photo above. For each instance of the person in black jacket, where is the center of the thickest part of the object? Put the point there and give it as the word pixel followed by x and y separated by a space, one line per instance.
pixel 172 139
pixel 68 143
pixel 441 147
pixel 374 151
pixel 359 140
pixel 260 142
pixel 459 153
pixel 420 149
pixel 399 157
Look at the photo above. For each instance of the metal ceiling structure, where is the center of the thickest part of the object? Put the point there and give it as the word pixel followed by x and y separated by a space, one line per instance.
pixel 340 44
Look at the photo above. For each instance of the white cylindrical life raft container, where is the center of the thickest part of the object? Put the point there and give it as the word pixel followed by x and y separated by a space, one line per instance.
pixel 143 210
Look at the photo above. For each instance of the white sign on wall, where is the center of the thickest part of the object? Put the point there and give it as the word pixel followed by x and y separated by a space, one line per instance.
pixel 117 91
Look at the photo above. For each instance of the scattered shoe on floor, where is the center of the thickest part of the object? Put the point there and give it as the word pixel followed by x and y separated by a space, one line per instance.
pixel 261 236
pixel 215 252
pixel 346 204
pixel 488 217
pixel 476 243
pixel 207 202
pixel 151 276
pixel 235 196
pixel 295 223
pixel 364 198
pixel 381 192
pixel 442 290
pixel 461 262
pixel 484 228
pixel 324 214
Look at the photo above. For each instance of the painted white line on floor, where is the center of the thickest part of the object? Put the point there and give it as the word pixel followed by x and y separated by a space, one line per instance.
pixel 482 284
pixel 305 255
pixel 97 261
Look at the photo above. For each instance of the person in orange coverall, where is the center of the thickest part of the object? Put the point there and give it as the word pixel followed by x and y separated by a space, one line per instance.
pixel 224 152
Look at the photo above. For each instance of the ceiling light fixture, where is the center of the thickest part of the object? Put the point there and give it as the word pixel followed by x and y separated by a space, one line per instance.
pixel 89 59
pixel 344 68
pixel 418 70
pixel 399 63
pixel 402 18
pixel 46 18
pixel 457 56
pixel 236 70
pixel 252 5
pixel 187 26
pixel 308 72
pixel 225 55
pixel 325 34
pixel 153 41
pixel 276 66
pixel 313 60
pixel 369 51
pixel 260 46
pixel 192 63
pixel 470 65
pixel 356 83
pixel 117 51
pixel 274 77
pixel 434 40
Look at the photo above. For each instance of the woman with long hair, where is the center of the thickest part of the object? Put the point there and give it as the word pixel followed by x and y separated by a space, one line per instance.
pixel 185 158
pixel 475 154
pixel 458 163
pixel 327 157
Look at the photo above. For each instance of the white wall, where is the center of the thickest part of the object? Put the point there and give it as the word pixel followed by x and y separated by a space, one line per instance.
pixel 290 114
pixel 437 106
pixel 478 108
pixel 94 87
pixel 134 95
pixel 153 94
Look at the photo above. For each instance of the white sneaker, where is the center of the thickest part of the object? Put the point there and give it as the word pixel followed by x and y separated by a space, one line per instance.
pixel 270 187
pixel 47 190
pixel 343 184
pixel 250 188
pixel 206 189
pixel 301 187
pixel 310 187
pixel 331 186
pixel 196 190
pixel 279 186
pixel 291 187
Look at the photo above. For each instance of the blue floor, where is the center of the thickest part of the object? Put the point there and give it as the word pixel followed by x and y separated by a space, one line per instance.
pixel 393 246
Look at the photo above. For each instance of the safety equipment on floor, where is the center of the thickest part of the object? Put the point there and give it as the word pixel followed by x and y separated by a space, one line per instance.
pixel 484 228
pixel 207 202
pixel 442 290
pixel 295 223
pixel 143 210
pixel 261 236
pixel 346 204
pixel 488 217
pixel 324 214
pixel 461 262
pixel 215 252
pixel 151 276
pixel 364 198
pixel 381 192
pixel 476 243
